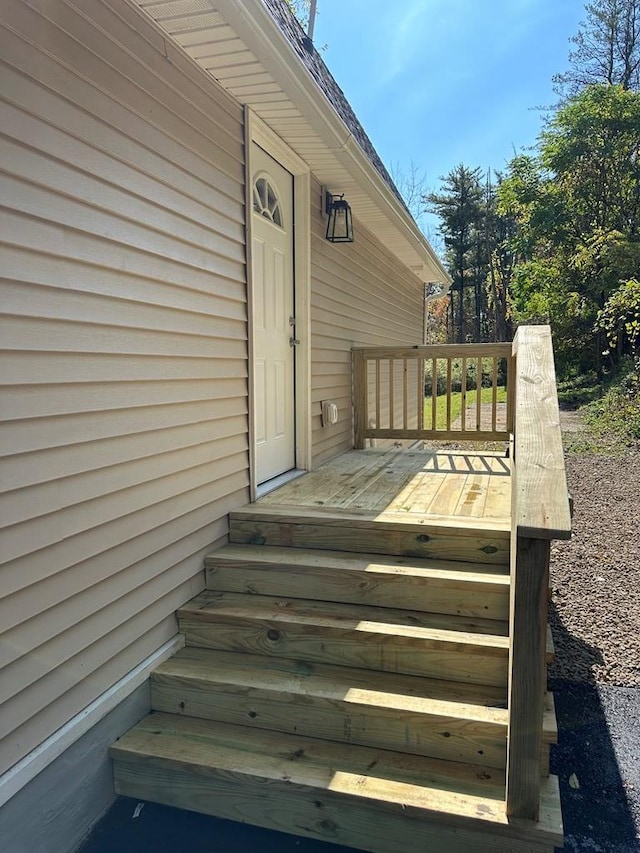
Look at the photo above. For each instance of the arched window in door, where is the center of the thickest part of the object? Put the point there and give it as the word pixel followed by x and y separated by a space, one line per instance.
pixel 265 200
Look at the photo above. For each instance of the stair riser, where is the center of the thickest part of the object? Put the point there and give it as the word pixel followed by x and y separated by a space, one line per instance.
pixel 468 741
pixel 453 661
pixel 476 599
pixel 324 815
pixel 439 545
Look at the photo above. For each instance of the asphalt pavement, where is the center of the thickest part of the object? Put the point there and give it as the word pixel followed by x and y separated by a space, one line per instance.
pixel 597 760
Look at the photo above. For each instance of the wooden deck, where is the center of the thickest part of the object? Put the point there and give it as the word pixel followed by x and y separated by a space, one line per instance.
pixel 346 670
pixel 407 484
pixel 367 662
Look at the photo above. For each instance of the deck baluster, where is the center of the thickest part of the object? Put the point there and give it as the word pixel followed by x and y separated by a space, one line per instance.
pixel 388 394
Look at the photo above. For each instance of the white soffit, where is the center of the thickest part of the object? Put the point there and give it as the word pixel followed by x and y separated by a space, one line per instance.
pixel 243 48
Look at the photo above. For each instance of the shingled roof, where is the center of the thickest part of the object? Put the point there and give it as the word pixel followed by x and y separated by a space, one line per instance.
pixel 313 62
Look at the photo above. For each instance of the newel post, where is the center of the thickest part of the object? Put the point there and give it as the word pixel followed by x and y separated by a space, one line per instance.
pixel 539 513
pixel 527 673
pixel 359 369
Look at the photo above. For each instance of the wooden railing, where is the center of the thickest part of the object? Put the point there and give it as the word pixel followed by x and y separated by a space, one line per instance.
pixel 540 512
pixel 393 399
pixel 408 393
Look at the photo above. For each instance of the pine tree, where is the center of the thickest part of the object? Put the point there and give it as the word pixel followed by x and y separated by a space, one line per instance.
pixel 459 206
pixel 500 230
pixel 607 48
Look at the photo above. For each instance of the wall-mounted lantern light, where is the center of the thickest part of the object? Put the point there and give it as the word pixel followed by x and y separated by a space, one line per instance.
pixel 340 222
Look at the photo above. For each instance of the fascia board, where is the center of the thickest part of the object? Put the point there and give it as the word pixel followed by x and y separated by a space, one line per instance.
pixel 381 192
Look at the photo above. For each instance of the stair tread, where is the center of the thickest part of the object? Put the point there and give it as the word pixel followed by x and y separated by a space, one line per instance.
pixel 359 687
pixel 328 516
pixel 462 795
pixel 428 585
pixel 486 634
pixel 377 564
pixel 307 760
pixel 332 703
pixel 431 695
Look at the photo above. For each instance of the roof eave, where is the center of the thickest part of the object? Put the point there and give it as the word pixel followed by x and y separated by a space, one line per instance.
pixel 257 28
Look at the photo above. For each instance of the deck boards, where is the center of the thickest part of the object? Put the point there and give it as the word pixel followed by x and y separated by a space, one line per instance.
pixel 455 483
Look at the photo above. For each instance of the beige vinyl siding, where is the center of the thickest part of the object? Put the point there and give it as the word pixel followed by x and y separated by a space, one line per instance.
pixel 361 295
pixel 124 338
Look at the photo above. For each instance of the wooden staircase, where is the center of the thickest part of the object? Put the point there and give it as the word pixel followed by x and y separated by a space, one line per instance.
pixel 350 696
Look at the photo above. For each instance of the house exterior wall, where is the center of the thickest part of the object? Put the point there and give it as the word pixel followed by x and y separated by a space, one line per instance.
pixel 361 295
pixel 123 422
pixel 77 788
pixel 124 406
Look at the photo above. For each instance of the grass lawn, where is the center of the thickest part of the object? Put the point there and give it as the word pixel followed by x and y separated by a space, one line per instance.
pixel 486 396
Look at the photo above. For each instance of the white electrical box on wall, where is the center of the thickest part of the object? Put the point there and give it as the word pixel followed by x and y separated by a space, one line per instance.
pixel 329 413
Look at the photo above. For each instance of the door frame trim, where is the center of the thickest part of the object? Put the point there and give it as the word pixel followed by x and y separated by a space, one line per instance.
pixel 257 131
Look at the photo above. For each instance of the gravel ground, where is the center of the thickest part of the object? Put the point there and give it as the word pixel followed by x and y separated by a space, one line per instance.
pixel 595 620
pixel 595 577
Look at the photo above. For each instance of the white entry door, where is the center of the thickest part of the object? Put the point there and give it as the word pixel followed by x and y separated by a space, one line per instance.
pixel 273 317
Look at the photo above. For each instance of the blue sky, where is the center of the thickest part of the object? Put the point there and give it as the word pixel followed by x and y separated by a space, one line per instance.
pixel 440 82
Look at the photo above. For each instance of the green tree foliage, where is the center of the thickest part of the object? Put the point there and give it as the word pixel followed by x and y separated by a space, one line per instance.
pixel 479 254
pixel 606 48
pixel 459 205
pixel 577 207
pixel 619 409
pixel 591 149
pixel 557 236
pixel 501 229
pixel 620 319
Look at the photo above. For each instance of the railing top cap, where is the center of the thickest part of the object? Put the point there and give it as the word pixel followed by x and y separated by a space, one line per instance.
pixel 541 502
pixel 495 350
